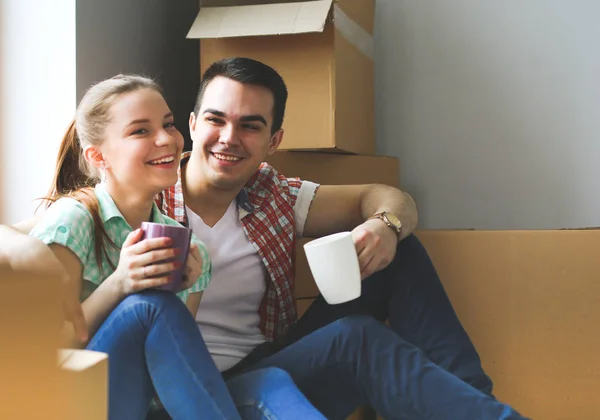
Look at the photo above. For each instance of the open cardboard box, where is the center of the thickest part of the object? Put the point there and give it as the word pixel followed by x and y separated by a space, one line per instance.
pixel 530 301
pixel 324 51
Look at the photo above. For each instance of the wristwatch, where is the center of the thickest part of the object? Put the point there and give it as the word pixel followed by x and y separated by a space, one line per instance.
pixel 389 219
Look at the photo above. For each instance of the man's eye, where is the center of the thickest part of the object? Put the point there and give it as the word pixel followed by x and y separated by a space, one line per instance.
pixel 170 125
pixel 214 120
pixel 250 127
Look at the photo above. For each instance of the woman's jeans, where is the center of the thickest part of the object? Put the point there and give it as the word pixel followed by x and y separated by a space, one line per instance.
pixel 155 348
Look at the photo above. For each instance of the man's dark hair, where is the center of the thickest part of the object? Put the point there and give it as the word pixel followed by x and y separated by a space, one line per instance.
pixel 251 72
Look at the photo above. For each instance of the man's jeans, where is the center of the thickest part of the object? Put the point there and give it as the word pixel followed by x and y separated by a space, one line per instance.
pixel 153 343
pixel 423 366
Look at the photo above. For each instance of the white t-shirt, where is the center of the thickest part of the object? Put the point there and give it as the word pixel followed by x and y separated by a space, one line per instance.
pixel 228 314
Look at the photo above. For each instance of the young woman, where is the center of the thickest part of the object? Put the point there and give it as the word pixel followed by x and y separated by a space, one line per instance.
pixel 121 150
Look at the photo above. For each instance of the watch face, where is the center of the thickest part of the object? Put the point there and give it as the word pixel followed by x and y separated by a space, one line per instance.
pixel 394 220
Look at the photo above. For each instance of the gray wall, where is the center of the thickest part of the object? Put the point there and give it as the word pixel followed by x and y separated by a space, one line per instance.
pixel 494 110
pixel 141 36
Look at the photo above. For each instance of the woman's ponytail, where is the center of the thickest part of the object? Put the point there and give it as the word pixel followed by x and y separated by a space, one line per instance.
pixel 69 174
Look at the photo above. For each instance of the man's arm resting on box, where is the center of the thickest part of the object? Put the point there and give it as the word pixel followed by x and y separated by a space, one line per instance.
pixel 30 255
pixel 25 226
pixel 337 208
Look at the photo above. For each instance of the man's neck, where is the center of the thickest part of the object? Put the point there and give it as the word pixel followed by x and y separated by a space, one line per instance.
pixel 206 201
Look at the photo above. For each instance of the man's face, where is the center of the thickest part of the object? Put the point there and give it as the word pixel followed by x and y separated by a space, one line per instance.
pixel 232 132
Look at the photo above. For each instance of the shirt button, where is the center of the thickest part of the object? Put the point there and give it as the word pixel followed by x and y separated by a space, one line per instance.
pixel 62 229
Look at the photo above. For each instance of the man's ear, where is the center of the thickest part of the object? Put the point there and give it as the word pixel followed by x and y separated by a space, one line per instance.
pixel 94 156
pixel 192 124
pixel 275 141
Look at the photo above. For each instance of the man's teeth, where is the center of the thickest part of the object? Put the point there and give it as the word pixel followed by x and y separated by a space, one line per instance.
pixel 163 160
pixel 226 157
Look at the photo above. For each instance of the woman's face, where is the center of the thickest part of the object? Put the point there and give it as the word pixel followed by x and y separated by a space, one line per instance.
pixel 141 148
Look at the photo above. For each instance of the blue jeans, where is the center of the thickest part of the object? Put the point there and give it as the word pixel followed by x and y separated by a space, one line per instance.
pixel 423 366
pixel 154 345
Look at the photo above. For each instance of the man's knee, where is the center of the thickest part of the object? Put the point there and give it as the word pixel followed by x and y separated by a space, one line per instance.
pixel 356 325
pixel 270 376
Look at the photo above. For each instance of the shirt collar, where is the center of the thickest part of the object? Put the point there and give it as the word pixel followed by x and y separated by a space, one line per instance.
pixel 109 210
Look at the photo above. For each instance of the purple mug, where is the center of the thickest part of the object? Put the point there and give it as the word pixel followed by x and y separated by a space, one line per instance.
pixel 181 237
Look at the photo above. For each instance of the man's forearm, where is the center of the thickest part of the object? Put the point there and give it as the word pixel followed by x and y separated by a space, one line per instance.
pixel 25 226
pixel 380 198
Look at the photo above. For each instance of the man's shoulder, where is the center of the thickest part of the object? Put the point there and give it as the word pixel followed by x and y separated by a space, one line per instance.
pixel 267 177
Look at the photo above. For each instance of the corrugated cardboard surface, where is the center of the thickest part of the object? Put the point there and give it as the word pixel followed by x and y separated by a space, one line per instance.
pixel 30 318
pixel 337 169
pixel 530 302
pixel 84 376
pixel 330 81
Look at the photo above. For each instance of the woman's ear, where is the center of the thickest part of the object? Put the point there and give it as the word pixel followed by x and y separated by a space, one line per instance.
pixel 94 157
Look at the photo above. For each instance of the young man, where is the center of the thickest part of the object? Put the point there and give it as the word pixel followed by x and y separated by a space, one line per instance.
pixel 422 366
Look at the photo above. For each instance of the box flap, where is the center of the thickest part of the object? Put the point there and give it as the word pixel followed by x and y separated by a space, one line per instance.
pixel 78 360
pixel 255 20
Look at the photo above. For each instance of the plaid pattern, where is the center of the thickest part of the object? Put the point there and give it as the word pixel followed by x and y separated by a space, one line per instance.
pixel 67 222
pixel 266 211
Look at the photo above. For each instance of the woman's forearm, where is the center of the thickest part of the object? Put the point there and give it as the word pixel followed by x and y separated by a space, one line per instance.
pixel 101 303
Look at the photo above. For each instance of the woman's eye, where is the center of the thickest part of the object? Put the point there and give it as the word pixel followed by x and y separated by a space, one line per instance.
pixel 139 132
pixel 170 125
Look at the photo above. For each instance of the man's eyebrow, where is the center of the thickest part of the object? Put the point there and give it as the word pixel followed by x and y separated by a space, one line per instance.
pixel 251 118
pixel 245 118
pixel 214 112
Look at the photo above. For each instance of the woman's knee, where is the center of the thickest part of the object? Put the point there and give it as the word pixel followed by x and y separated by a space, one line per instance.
pixel 156 299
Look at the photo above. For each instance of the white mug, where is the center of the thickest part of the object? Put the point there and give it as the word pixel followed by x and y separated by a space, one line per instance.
pixel 334 265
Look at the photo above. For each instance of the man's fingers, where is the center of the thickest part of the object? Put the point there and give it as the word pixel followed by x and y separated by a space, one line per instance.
pixel 195 253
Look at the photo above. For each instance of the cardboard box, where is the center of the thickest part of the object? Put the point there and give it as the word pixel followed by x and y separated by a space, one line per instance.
pixel 84 376
pixel 323 50
pixel 338 169
pixel 30 317
pixel 529 301
pixel 30 320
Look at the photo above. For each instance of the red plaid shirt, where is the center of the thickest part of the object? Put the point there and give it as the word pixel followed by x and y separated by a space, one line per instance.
pixel 272 217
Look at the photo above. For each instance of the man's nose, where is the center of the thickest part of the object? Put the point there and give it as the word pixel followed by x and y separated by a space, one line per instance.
pixel 229 135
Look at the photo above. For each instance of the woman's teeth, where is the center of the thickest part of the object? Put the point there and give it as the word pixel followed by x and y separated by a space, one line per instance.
pixel 163 160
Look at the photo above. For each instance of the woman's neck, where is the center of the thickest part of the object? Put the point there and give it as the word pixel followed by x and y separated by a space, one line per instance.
pixel 135 207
